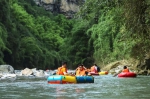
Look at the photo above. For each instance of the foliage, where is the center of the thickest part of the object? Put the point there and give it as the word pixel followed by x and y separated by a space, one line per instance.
pixel 120 29
pixel 138 24
pixel 77 45
pixel 33 35
pixel 103 31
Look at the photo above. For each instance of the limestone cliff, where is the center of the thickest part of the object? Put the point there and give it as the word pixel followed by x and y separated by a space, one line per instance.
pixel 66 7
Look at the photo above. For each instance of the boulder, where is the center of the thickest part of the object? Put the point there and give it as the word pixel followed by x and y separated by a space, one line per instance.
pixel 27 72
pixel 112 71
pixel 148 72
pixel 40 73
pixel 119 68
pixel 9 76
pixel 34 70
pixel 143 72
pixel 7 69
pixel 116 69
pixel 114 65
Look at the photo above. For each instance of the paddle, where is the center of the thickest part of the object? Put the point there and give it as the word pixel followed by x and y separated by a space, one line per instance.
pixel 117 73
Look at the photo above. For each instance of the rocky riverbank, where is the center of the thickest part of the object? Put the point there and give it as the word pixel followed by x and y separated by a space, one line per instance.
pixel 133 65
pixel 7 71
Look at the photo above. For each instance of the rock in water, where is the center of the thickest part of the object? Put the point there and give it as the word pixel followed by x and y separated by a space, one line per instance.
pixel 6 69
pixel 26 72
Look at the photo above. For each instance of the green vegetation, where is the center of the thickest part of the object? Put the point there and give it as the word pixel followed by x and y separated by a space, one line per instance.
pixel 103 31
pixel 30 36
pixel 119 28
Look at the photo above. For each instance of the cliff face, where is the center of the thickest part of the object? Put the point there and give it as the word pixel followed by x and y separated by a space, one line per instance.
pixel 66 7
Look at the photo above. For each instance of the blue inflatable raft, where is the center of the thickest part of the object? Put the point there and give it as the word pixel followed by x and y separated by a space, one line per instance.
pixel 60 79
pixel 85 79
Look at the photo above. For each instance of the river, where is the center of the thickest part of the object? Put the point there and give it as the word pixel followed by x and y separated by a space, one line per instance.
pixel 104 87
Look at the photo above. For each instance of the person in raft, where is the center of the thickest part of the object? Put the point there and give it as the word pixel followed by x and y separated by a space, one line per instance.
pixel 81 65
pixel 81 70
pixel 95 69
pixel 63 69
pixel 125 69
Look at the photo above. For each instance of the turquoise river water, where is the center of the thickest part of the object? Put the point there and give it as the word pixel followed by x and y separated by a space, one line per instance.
pixel 104 87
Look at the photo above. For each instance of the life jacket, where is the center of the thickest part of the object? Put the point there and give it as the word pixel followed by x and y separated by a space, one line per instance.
pixel 125 70
pixel 59 71
pixel 93 69
pixel 80 72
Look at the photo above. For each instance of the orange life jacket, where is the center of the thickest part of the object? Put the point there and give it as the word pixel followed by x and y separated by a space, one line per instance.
pixel 61 70
pixel 125 70
pixel 80 72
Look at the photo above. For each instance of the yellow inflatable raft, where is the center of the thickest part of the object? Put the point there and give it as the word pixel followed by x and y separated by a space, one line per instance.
pixel 103 73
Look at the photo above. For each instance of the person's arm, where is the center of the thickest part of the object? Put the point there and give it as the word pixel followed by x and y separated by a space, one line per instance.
pixel 76 68
pixel 84 67
pixel 64 70
pixel 128 70
pixel 65 73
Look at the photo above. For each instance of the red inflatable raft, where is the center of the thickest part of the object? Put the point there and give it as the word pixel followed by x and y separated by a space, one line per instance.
pixel 94 74
pixel 127 74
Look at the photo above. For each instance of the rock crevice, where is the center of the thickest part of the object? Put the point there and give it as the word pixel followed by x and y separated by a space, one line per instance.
pixel 66 7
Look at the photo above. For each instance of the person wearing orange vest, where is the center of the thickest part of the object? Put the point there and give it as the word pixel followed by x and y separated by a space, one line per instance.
pixel 81 71
pixel 80 66
pixel 63 69
pixel 125 69
pixel 94 69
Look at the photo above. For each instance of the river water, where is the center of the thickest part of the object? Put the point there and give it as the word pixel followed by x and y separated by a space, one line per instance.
pixel 104 87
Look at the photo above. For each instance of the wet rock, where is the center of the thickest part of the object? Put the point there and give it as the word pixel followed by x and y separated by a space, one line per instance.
pixel 6 69
pixel 27 72
pixel 144 64
pixel 40 73
pixel 112 71
pixel 142 72
pixel 8 75
pixel 148 72
pixel 34 70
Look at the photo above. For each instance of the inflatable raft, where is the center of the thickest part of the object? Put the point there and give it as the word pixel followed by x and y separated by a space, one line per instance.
pixel 85 79
pixel 60 79
pixel 103 73
pixel 94 74
pixel 127 74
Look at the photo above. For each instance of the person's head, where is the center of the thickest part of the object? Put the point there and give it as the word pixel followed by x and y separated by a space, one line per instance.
pixel 95 64
pixel 125 67
pixel 80 66
pixel 64 64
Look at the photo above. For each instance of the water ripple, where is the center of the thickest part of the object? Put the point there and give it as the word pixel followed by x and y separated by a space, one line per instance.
pixel 104 87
